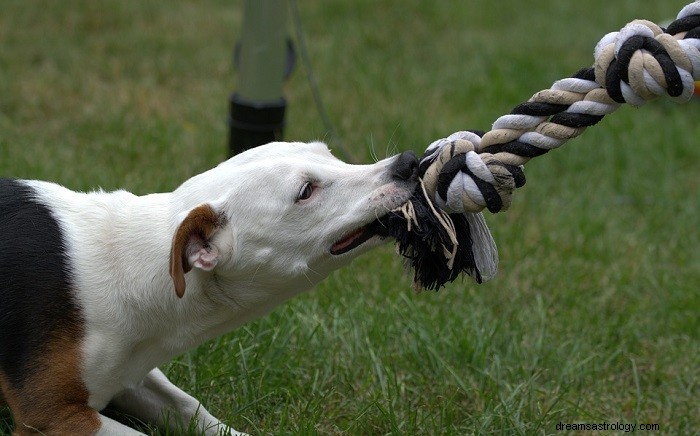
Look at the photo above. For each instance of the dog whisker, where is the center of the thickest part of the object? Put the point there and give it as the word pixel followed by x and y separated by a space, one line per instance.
pixel 306 276
pixel 314 271
pixel 392 149
pixel 373 151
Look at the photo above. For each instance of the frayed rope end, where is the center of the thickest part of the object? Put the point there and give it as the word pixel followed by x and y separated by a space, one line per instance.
pixel 440 246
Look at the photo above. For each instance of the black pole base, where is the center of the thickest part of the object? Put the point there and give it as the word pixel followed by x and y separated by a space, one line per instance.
pixel 254 123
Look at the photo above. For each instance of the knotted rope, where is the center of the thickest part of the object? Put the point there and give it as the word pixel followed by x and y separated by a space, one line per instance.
pixel 442 231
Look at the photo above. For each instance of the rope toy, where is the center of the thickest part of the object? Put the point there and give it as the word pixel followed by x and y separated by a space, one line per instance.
pixel 441 231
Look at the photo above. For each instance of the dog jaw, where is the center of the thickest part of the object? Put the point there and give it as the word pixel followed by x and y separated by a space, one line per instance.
pixel 352 240
pixel 371 232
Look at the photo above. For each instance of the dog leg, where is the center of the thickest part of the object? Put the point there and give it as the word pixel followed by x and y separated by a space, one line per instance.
pixel 156 400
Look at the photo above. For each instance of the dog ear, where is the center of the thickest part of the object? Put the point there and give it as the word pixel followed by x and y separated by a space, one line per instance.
pixel 191 247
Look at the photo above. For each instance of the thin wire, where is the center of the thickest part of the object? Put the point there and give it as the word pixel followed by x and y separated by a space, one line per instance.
pixel 313 85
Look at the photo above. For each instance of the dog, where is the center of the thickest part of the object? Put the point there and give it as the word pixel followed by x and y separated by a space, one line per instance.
pixel 100 288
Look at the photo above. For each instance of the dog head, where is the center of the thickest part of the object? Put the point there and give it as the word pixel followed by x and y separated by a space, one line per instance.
pixel 284 215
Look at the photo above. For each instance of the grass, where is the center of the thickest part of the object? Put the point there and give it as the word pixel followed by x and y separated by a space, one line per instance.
pixel 594 314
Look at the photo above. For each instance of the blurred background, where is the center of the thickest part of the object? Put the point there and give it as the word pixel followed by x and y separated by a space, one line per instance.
pixel 593 316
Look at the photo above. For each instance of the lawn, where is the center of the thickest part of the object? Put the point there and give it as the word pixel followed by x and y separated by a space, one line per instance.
pixel 594 315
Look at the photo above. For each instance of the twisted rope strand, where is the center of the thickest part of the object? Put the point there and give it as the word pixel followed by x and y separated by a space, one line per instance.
pixel 442 232
pixel 470 171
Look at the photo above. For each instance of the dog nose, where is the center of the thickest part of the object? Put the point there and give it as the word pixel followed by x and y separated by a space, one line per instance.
pixel 405 166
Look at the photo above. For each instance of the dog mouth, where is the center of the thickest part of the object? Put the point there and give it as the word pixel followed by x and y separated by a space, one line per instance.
pixel 381 227
pixel 358 237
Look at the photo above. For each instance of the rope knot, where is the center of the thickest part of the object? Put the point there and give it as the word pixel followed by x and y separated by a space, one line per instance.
pixel 460 179
pixel 643 61
pixel 442 232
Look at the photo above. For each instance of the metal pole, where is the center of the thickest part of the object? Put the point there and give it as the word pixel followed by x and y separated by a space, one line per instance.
pixel 263 60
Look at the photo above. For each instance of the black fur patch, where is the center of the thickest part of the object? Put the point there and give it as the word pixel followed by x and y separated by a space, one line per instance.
pixel 36 302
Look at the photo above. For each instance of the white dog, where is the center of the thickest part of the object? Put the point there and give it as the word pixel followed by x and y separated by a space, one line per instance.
pixel 101 288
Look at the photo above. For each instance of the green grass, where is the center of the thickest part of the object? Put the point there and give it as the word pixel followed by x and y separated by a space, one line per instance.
pixel 594 315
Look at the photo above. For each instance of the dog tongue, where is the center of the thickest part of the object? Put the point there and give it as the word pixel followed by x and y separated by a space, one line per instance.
pixel 349 242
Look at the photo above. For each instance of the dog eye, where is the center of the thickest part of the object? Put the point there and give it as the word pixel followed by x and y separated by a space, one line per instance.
pixel 305 192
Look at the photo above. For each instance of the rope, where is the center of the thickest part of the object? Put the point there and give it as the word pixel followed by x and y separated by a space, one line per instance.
pixel 470 171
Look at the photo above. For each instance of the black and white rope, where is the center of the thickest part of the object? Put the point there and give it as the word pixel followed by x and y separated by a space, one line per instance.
pixel 470 171
pixel 639 63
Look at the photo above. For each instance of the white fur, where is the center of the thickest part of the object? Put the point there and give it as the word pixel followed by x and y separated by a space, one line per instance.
pixel 271 248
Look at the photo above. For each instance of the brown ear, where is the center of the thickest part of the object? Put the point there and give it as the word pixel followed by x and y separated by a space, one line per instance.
pixel 191 247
